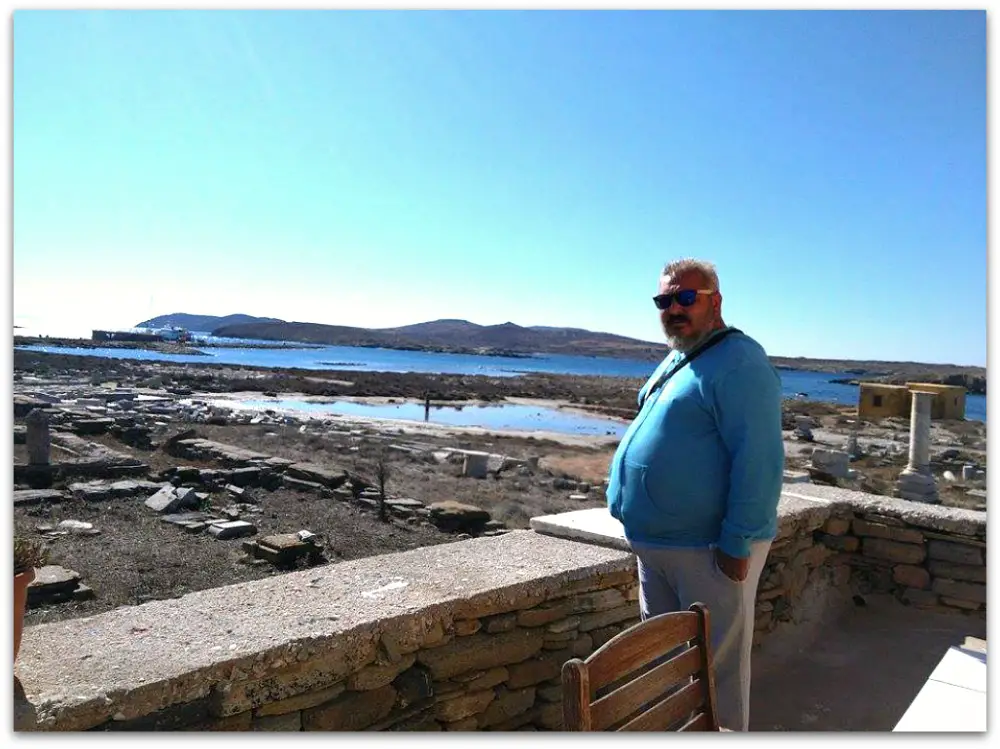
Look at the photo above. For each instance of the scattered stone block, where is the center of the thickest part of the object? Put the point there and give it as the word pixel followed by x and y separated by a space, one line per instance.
pixel 28 497
pixel 53 584
pixel 25 404
pixel 455 516
pixel 495 464
pixel 284 549
pixel 834 462
pixel 307 486
pixel 232 529
pixel 795 477
pixel 402 502
pixel 83 593
pixel 84 427
pixel 37 437
pixel 476 464
pixel 96 491
pixel 803 428
pixel 327 476
pixel 249 476
pixel 170 499
pixel 183 518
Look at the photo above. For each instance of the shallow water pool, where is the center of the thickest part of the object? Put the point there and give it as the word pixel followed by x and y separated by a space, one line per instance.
pixel 518 417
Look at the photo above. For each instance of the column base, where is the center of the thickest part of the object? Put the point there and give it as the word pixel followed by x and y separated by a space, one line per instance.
pixel 917 487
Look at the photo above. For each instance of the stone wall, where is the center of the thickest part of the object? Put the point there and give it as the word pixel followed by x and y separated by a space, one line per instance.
pixel 797 584
pixel 922 567
pixel 836 543
pixel 469 635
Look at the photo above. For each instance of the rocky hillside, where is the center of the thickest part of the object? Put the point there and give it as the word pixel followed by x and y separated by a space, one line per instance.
pixel 462 336
pixel 202 323
pixel 457 335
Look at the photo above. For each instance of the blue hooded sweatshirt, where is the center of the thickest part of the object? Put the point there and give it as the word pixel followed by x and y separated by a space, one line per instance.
pixel 702 462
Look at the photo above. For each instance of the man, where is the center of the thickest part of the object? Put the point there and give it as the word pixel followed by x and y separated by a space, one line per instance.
pixel 697 477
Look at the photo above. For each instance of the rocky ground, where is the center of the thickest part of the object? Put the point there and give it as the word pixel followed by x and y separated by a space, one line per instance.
pixel 883 451
pixel 153 493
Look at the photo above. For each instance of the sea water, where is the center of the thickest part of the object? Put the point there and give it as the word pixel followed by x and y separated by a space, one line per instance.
pixel 817 386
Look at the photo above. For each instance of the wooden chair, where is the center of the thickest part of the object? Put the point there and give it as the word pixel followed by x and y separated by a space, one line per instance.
pixel 654 676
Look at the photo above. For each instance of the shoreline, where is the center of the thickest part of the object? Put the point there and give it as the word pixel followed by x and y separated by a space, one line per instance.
pixel 606 396
pixel 971 377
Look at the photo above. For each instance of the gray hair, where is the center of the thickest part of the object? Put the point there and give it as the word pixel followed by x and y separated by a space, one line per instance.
pixel 686 265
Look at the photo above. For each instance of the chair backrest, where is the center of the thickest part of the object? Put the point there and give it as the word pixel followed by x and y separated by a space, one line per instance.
pixel 654 676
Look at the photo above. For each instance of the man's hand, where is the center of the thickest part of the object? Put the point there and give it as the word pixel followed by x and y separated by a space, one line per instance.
pixel 734 568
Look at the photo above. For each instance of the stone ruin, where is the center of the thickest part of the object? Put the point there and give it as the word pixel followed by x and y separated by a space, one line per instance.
pixel 916 482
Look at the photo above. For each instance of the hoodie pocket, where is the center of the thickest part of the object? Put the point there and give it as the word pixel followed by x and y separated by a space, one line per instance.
pixel 637 509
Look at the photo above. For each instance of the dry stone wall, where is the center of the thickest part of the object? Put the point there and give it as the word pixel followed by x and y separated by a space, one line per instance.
pixel 464 636
pixel 928 557
pixel 923 567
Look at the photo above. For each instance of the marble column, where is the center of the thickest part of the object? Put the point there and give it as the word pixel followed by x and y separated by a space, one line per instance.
pixel 916 482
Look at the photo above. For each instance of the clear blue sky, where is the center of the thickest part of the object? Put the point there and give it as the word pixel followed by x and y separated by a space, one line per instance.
pixel 377 169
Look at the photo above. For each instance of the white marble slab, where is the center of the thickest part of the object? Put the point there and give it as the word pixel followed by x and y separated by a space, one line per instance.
pixel 594 526
pixel 953 699
pixel 795 477
pixel 962 668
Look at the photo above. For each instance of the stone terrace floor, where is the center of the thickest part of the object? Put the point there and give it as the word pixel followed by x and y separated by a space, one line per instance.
pixel 857 671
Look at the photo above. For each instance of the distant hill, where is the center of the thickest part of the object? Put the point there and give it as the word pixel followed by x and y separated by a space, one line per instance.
pixel 456 335
pixel 462 336
pixel 203 323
